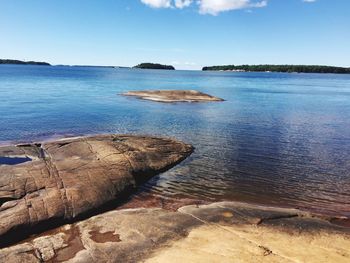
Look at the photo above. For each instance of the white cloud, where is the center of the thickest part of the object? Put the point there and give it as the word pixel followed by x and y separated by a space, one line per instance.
pixel 182 3
pixel 214 7
pixel 157 3
pixel 309 1
pixel 167 3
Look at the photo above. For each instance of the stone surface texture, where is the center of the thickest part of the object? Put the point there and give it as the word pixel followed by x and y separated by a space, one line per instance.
pixel 173 96
pixel 218 232
pixel 70 177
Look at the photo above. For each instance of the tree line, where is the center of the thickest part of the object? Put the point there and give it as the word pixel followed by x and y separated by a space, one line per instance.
pixel 19 62
pixel 154 66
pixel 281 68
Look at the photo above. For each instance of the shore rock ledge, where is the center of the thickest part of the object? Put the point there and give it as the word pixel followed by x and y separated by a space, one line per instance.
pixel 173 96
pixel 67 178
pixel 218 232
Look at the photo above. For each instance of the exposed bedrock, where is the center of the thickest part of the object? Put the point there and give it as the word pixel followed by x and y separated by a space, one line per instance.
pixel 219 232
pixel 70 177
pixel 170 96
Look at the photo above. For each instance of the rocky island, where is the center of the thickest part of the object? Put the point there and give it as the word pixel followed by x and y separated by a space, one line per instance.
pixel 62 180
pixel 154 66
pixel 173 96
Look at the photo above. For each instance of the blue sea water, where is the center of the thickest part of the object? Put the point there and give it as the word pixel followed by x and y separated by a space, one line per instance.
pixel 278 139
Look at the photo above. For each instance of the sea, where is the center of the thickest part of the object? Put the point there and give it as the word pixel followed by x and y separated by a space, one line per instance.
pixel 279 139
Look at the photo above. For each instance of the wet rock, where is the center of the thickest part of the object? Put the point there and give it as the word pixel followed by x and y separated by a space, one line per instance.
pixel 70 177
pixel 173 96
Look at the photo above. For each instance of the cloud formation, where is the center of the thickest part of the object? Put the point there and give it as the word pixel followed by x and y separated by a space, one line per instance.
pixel 157 3
pixel 212 7
pixel 182 3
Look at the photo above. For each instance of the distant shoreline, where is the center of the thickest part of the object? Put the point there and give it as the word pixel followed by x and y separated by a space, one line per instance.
pixel 20 62
pixel 319 69
pixel 280 68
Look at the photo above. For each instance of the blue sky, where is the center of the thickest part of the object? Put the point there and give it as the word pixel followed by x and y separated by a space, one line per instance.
pixel 188 34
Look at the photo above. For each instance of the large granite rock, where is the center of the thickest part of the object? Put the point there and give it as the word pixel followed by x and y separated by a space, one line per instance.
pixel 68 178
pixel 219 232
pixel 172 96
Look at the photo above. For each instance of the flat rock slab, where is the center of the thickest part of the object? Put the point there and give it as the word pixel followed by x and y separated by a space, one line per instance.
pixel 67 178
pixel 173 96
pixel 219 232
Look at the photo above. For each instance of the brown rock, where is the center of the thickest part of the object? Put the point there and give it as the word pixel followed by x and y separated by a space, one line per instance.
pixel 70 177
pixel 173 96
pixel 192 234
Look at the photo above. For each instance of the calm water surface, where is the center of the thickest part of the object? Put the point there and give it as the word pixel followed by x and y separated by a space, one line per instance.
pixel 279 139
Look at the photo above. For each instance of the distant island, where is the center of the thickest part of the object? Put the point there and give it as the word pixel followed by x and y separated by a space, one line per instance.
pixel 19 62
pixel 154 66
pixel 280 68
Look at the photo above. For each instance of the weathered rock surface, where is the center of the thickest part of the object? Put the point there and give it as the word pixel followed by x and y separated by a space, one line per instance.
pixel 173 96
pixel 70 177
pixel 219 232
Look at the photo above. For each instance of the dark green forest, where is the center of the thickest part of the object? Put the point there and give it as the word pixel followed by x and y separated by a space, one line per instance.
pixel 19 62
pixel 154 66
pixel 282 68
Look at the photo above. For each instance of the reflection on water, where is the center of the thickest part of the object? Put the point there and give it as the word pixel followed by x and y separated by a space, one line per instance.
pixel 13 160
pixel 280 139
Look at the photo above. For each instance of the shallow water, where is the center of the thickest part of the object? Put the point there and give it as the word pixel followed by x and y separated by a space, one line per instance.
pixel 279 139
pixel 13 160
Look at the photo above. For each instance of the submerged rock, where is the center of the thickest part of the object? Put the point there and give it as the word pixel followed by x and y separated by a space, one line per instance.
pixel 70 177
pixel 219 232
pixel 173 96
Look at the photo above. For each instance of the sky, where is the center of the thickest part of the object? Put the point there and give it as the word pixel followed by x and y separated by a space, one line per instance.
pixel 188 34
